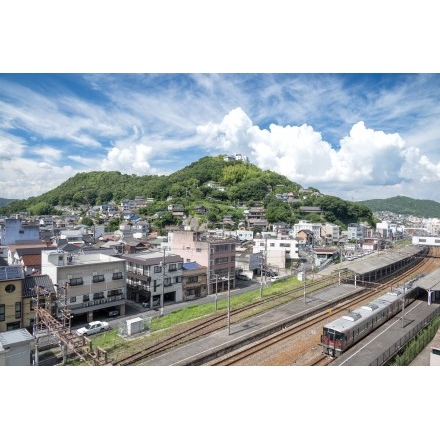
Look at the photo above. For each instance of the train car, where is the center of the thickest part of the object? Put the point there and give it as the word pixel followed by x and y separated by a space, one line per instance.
pixel 343 333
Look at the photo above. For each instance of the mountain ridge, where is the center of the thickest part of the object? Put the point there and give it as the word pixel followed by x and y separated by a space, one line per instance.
pixel 404 205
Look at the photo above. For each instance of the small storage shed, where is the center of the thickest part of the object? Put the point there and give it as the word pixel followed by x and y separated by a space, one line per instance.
pixel 15 348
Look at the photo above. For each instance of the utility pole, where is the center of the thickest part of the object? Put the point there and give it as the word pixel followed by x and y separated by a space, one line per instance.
pixel 261 276
pixel 304 274
pixel 163 284
pixel 216 283
pixel 229 306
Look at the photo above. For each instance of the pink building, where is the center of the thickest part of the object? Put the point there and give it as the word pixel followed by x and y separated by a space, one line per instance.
pixel 217 254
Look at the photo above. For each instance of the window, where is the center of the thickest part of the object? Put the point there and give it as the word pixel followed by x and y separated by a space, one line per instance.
pixel 85 298
pixel 178 279
pixel 10 288
pixel 2 312
pixel 198 250
pixel 172 267
pixel 193 279
pixel 114 292
pixel 72 299
pixel 98 295
pixel 117 276
pixel 157 269
pixel 98 278
pixel 221 260
pixel 17 310
pixel 167 282
pixel 76 281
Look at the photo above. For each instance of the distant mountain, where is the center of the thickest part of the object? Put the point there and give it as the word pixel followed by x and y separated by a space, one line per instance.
pixel 4 202
pixel 405 206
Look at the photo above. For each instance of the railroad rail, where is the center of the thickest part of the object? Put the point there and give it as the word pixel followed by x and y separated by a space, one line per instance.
pixel 207 325
pixel 253 351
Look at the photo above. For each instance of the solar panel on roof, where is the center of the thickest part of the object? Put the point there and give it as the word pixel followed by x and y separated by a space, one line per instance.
pixel 10 272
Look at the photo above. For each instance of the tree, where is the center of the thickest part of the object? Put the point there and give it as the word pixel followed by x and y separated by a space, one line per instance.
pixel 87 221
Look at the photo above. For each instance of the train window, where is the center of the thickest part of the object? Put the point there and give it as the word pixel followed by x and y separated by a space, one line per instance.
pixel 339 336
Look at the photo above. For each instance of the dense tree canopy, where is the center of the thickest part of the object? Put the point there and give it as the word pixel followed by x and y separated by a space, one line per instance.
pixel 244 182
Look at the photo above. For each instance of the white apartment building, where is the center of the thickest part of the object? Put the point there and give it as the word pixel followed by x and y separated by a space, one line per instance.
pixel 306 225
pixel 276 251
pixel 86 283
pixel 356 231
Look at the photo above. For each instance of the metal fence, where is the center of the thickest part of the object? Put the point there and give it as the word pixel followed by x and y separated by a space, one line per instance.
pixel 392 351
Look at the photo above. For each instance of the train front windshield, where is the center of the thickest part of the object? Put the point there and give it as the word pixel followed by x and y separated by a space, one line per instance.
pixel 332 335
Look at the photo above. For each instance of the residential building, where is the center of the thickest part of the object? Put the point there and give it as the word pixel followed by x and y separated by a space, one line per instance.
pixel 89 282
pixel 152 275
pixel 194 281
pixel 73 236
pixel 14 230
pixel 304 225
pixel 243 235
pixel 255 217
pixel 11 292
pixel 356 231
pixel 276 251
pixel 27 255
pixel 216 253
pixel 330 233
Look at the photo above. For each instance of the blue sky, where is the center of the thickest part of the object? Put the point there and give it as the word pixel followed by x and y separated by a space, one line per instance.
pixel 355 136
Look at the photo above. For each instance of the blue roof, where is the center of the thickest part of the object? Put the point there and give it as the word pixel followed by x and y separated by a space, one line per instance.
pixel 191 265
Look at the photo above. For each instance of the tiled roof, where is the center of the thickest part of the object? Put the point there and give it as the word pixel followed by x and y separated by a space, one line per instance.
pixel 31 282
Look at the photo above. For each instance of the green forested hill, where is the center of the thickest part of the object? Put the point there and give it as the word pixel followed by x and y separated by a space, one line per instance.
pixel 406 206
pixel 243 185
pixel 4 202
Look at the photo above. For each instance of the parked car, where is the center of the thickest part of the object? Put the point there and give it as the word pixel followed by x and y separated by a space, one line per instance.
pixel 242 277
pixel 113 312
pixel 274 278
pixel 93 327
pixel 156 303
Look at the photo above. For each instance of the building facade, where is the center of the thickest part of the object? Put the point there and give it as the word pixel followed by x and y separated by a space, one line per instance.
pixel 153 276
pixel 216 253
pixel 87 283
pixel 14 231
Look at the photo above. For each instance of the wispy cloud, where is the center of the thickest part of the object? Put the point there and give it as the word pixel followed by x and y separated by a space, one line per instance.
pixel 354 136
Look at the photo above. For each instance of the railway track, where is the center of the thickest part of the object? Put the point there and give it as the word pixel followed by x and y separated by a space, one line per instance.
pixel 300 343
pixel 190 331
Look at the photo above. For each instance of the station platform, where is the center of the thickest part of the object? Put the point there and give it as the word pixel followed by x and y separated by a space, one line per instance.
pixel 376 348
